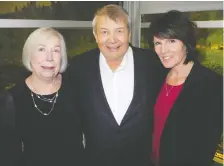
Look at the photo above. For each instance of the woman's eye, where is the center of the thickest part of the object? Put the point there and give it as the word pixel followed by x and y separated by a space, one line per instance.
pixel 172 41
pixel 156 43
pixel 56 50
pixel 41 49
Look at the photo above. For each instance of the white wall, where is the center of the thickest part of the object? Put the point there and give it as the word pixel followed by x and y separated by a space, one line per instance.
pixel 150 7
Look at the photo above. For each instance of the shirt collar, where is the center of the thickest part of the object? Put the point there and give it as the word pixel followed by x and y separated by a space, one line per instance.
pixel 123 63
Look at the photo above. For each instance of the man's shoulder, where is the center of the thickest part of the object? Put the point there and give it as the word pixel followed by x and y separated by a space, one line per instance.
pixel 146 54
pixel 142 51
pixel 85 55
pixel 83 61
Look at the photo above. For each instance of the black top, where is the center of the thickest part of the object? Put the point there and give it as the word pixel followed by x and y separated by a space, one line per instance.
pixel 35 139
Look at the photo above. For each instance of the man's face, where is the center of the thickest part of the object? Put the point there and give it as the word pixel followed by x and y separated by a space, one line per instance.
pixel 112 38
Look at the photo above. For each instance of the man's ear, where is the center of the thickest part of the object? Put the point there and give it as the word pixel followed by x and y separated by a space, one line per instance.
pixel 129 37
pixel 95 35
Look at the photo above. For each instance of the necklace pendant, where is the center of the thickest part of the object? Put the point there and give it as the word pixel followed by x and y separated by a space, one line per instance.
pixel 52 101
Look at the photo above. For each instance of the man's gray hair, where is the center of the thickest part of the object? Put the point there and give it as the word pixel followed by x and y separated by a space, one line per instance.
pixel 114 12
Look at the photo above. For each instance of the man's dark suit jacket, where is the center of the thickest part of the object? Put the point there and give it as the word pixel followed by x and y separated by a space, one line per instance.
pixel 107 143
pixel 194 126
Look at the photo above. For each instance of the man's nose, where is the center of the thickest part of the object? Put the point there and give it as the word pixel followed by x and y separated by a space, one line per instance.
pixel 112 38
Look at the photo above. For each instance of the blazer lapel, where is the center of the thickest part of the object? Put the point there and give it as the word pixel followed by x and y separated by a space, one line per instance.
pixel 140 87
pixel 190 81
pixel 99 97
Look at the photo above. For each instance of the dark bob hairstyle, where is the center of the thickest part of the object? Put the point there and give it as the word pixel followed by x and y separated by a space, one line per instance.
pixel 175 25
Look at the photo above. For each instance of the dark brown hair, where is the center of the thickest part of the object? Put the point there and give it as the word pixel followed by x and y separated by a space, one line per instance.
pixel 175 25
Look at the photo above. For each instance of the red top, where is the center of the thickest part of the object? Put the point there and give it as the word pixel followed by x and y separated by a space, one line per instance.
pixel 167 96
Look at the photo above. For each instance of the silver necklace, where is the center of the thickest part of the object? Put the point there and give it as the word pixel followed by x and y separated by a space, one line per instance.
pixel 52 107
pixel 168 90
pixel 52 100
pixel 41 97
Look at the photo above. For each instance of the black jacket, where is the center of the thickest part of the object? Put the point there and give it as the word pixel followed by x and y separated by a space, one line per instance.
pixel 107 143
pixel 194 126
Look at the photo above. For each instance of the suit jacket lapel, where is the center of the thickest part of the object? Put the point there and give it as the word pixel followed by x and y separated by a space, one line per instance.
pixel 99 97
pixel 140 87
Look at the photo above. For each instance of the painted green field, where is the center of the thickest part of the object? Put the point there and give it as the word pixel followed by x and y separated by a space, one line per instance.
pixel 214 56
pixel 213 59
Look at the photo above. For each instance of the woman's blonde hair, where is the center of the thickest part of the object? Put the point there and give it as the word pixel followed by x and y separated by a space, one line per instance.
pixel 39 35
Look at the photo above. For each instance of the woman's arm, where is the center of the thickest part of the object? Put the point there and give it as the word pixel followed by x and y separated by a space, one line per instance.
pixel 10 145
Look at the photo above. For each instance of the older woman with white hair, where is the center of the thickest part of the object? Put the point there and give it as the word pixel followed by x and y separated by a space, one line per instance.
pixel 39 123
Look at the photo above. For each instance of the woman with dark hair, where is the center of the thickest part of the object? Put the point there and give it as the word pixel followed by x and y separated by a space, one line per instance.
pixel 188 110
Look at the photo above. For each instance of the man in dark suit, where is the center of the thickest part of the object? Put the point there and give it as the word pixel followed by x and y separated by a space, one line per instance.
pixel 116 87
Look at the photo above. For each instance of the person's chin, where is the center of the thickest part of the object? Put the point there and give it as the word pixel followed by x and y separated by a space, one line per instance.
pixel 111 52
pixel 48 75
pixel 167 65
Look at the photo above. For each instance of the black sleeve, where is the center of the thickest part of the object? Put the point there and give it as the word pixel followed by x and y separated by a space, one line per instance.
pixel 10 146
pixel 214 124
pixel 217 113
